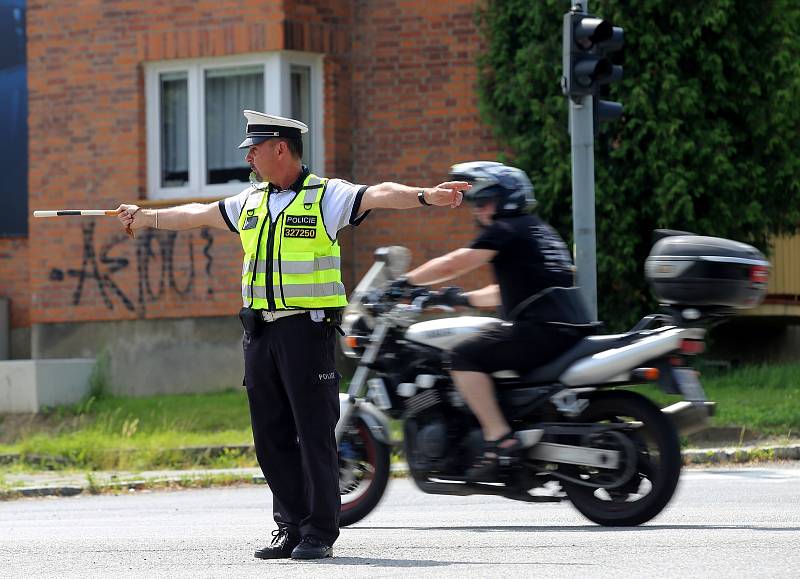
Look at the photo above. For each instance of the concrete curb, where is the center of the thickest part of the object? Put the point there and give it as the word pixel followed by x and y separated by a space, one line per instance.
pixel 741 454
pixel 191 452
pixel 115 482
pixel 110 482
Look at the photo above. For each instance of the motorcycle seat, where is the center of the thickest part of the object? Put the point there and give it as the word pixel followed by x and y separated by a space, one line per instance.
pixel 586 347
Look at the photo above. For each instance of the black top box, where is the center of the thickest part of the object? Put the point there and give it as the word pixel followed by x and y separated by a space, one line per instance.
pixel 693 270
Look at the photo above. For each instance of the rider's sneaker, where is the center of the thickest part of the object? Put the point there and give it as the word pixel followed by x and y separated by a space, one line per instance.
pixel 496 458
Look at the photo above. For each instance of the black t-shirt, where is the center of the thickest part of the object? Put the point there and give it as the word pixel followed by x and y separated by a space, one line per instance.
pixel 531 257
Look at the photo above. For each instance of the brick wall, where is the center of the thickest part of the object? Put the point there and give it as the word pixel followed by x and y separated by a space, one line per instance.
pixel 88 149
pixel 14 279
pixel 326 26
pixel 415 114
pixel 399 105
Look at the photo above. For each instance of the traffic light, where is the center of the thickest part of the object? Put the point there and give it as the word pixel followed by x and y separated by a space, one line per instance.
pixel 587 43
pixel 604 111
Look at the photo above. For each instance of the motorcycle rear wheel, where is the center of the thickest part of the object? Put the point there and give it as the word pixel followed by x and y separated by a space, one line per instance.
pixel 658 463
pixel 364 467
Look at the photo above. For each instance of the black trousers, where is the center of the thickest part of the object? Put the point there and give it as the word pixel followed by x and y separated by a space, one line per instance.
pixel 293 389
pixel 521 346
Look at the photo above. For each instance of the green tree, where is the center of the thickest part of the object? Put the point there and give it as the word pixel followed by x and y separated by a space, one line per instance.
pixel 708 142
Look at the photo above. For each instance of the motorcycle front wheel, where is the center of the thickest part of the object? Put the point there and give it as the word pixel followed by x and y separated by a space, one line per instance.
pixel 655 463
pixel 364 466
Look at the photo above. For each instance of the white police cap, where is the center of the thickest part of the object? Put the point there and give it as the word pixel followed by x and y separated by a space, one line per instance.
pixel 261 126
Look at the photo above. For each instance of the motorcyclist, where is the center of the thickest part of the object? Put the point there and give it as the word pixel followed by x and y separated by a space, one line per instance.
pixel 533 268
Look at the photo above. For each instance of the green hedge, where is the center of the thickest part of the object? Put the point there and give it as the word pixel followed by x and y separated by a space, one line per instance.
pixel 708 141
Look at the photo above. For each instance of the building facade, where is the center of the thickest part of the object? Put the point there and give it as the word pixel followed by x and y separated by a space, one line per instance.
pixel 141 102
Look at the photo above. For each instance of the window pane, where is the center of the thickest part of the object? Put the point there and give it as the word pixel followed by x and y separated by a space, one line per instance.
pixel 13 122
pixel 228 92
pixel 301 105
pixel 174 100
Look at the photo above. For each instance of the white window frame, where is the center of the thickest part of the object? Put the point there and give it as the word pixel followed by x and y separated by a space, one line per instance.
pixel 276 65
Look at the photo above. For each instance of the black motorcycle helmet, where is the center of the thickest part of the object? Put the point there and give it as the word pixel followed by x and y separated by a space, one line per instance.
pixel 508 186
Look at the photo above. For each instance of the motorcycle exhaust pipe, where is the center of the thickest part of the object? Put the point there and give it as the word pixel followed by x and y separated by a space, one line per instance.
pixel 690 417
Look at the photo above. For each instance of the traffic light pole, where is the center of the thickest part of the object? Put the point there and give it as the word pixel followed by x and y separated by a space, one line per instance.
pixel 587 42
pixel 581 129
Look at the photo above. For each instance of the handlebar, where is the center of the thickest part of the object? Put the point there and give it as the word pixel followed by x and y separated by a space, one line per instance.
pixel 380 301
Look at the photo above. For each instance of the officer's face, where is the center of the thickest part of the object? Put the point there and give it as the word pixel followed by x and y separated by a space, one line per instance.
pixel 258 159
pixel 267 158
pixel 262 158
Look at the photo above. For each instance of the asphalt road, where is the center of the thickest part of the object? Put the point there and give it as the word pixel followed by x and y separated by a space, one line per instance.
pixel 742 522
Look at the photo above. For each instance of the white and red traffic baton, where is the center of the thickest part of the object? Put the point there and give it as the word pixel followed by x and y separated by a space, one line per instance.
pixel 74 212
pixel 82 213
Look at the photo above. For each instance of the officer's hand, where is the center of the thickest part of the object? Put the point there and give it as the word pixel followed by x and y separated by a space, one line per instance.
pixel 130 217
pixel 450 193
pixel 453 296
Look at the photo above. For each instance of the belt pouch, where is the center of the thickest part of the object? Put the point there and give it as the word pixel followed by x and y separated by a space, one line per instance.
pixel 333 318
pixel 251 320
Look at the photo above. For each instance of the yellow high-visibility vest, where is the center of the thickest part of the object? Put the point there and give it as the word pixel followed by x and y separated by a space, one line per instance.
pixel 291 262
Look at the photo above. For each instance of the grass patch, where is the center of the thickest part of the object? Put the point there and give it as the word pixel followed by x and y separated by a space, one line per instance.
pixel 144 433
pixel 130 433
pixel 764 399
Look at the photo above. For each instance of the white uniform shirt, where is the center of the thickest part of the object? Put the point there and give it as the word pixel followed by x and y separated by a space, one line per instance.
pixel 340 207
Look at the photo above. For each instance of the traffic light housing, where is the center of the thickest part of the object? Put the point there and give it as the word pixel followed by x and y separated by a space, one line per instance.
pixel 588 42
pixel 605 111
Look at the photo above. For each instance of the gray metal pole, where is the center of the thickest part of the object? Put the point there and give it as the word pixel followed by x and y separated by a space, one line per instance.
pixel 583 221
pixel 581 129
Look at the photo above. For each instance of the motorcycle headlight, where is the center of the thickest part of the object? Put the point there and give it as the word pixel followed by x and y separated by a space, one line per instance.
pixel 356 335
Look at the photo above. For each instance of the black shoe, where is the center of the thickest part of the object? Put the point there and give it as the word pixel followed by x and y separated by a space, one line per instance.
pixel 281 546
pixel 312 548
pixel 496 460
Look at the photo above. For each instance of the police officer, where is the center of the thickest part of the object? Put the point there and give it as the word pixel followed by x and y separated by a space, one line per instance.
pixel 534 272
pixel 288 221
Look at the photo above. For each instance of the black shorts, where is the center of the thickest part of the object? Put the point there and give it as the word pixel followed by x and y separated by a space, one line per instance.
pixel 521 347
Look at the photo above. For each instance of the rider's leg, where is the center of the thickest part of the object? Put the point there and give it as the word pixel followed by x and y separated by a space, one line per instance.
pixel 502 347
pixel 478 390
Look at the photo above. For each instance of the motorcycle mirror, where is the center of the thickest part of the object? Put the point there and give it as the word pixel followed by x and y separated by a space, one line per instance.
pixel 396 257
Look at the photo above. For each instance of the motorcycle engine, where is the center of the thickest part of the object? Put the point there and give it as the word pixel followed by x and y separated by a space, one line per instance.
pixel 425 431
pixel 436 440
pixel 432 440
pixel 426 441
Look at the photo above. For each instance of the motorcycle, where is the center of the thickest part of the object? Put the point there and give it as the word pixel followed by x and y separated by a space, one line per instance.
pixel 612 452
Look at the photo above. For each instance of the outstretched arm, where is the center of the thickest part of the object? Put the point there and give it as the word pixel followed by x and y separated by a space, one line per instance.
pixel 450 265
pixel 187 216
pixel 397 196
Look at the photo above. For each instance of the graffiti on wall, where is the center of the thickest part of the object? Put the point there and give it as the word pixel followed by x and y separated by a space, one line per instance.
pixel 158 271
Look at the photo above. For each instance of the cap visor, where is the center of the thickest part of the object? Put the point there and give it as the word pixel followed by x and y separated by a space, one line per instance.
pixel 250 141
